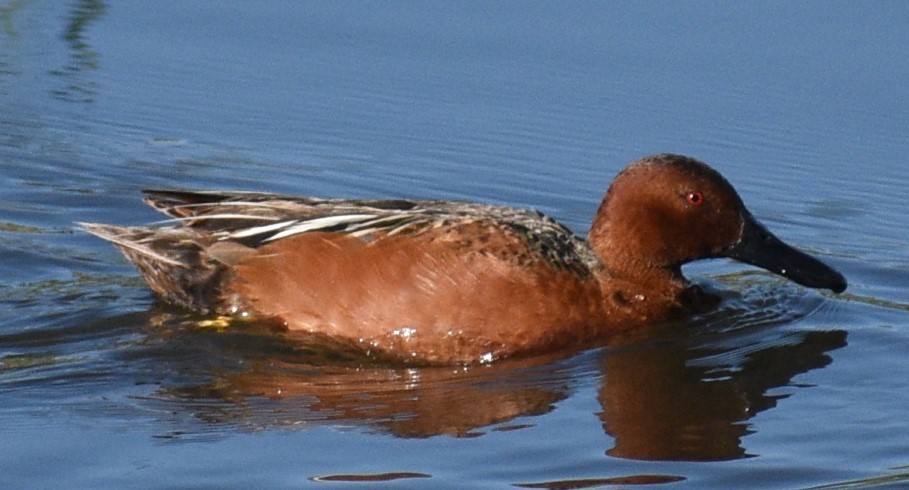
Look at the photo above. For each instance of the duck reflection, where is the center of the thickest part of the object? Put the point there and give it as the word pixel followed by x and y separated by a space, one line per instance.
pixel 662 397
pixel 670 402
pixel 407 403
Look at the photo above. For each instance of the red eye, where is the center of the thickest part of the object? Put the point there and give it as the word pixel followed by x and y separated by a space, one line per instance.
pixel 695 198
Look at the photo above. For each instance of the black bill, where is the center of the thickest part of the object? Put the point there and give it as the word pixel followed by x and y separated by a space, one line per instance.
pixel 759 247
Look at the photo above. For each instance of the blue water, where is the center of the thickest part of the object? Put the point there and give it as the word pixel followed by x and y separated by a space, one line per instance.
pixel 801 105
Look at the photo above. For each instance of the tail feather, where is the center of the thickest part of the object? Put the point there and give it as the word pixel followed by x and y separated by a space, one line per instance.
pixel 129 241
pixel 174 263
pixel 181 204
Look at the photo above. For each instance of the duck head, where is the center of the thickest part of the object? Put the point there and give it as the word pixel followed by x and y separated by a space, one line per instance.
pixel 666 210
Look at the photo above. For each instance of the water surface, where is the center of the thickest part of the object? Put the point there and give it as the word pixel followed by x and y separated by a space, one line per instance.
pixel 802 106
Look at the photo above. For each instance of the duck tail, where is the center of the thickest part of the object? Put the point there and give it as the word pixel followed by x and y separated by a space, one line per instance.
pixel 175 265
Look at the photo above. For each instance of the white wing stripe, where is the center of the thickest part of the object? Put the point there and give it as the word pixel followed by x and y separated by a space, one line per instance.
pixel 258 230
pixel 319 223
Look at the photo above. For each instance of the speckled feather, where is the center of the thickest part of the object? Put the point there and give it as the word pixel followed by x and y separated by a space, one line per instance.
pixel 254 219
pixel 183 259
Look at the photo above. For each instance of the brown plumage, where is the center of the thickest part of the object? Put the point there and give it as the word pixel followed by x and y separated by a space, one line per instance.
pixel 443 282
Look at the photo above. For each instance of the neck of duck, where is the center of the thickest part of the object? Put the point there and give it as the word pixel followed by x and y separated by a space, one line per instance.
pixel 631 259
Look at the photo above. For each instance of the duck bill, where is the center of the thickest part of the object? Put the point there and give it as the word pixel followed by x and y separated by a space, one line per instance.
pixel 757 246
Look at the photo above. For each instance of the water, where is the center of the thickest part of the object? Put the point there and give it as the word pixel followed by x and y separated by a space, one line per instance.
pixel 802 106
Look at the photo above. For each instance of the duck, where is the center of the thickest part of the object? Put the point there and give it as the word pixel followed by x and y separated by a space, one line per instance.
pixel 453 282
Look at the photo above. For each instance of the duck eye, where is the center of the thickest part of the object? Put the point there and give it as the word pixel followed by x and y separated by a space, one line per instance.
pixel 695 198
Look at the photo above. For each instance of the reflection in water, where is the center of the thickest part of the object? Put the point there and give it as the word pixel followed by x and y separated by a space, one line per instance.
pixel 371 477
pixel 662 397
pixel 659 403
pixel 7 12
pixel 82 58
pixel 301 384
pixel 8 33
pixel 600 482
